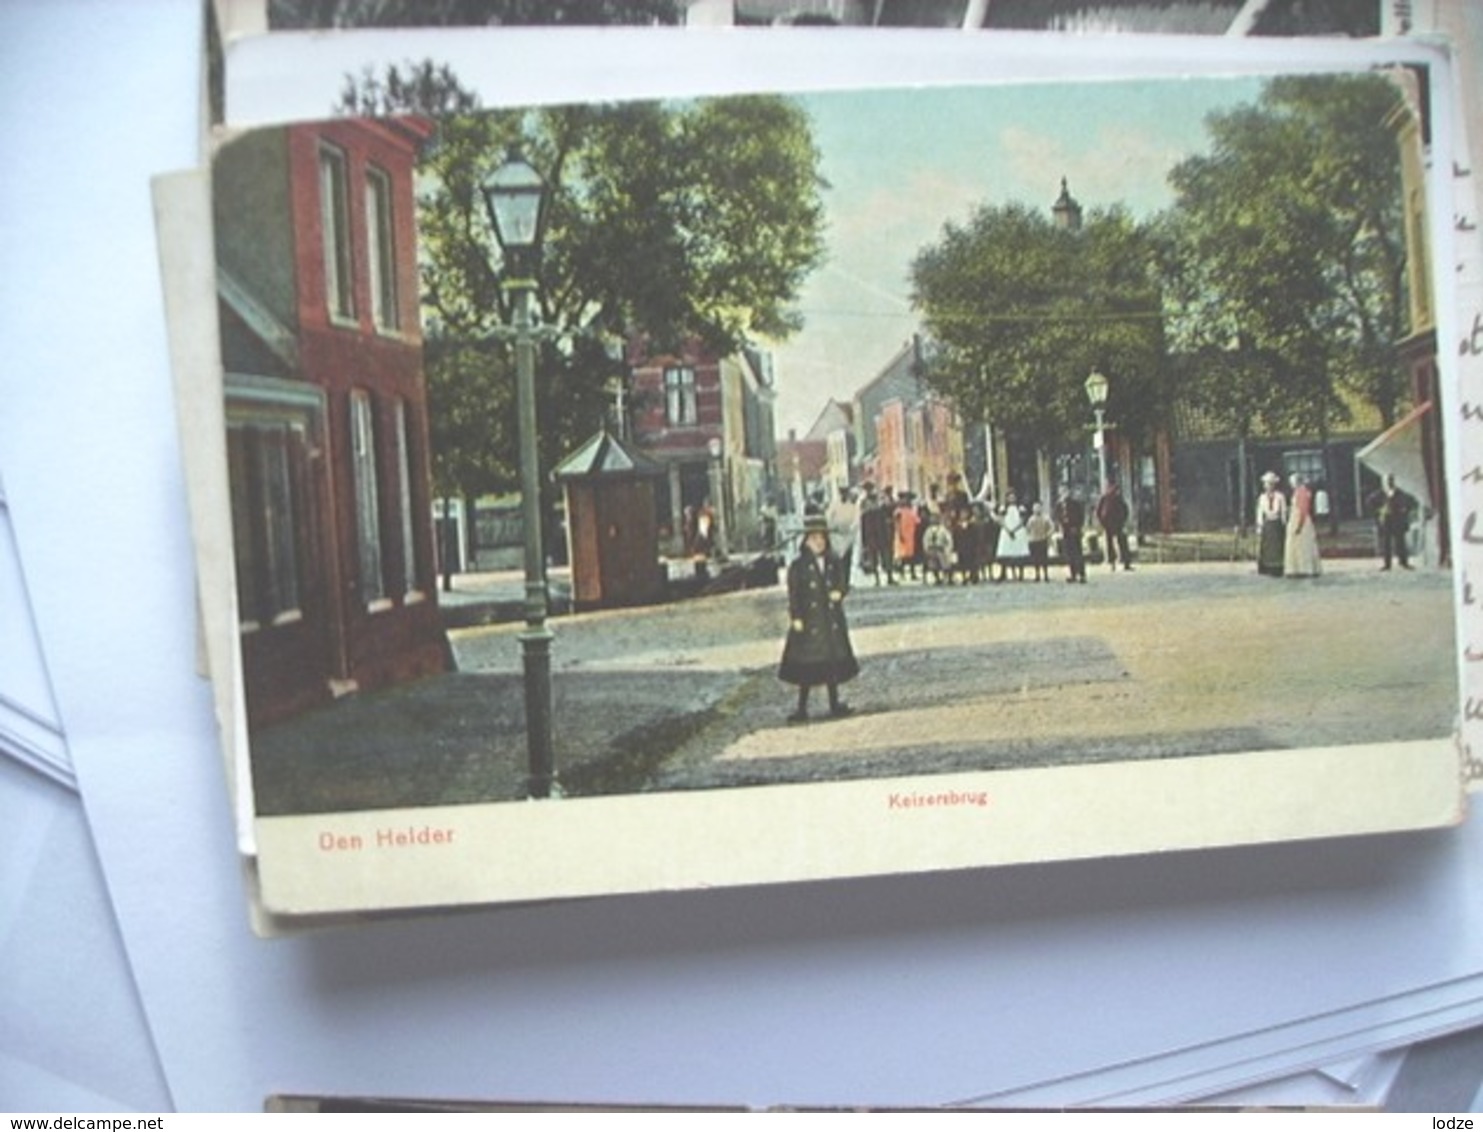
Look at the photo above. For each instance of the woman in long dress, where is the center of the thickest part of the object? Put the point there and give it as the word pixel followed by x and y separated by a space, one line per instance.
pixel 906 520
pixel 1301 557
pixel 1014 542
pixel 1271 523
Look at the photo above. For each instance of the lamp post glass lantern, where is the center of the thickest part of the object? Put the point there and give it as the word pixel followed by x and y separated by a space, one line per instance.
pixel 1096 391
pixel 717 451
pixel 1096 388
pixel 515 196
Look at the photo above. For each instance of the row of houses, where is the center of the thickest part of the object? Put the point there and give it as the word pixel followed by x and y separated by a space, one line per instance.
pixel 897 432
pixel 894 432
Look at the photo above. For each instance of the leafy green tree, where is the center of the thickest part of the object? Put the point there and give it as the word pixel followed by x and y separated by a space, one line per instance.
pixel 673 220
pixel 697 220
pixel 1288 237
pixel 469 395
pixel 1021 310
pixel 669 221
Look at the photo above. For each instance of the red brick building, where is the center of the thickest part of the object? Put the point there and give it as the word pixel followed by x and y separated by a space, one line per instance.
pixel 326 411
pixel 709 421
pixel 802 468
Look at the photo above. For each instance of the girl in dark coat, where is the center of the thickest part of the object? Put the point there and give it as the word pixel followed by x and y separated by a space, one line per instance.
pixel 817 650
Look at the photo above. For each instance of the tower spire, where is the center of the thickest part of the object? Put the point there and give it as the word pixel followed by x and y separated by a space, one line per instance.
pixel 1066 211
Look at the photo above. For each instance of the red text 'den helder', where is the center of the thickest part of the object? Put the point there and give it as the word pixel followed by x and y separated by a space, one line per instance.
pixel 411 837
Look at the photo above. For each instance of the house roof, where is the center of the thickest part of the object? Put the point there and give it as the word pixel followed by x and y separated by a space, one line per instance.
pixel 897 379
pixel 605 456
pixel 833 416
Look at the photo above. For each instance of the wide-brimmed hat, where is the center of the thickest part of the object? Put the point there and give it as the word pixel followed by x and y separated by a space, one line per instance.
pixel 1271 477
pixel 815 523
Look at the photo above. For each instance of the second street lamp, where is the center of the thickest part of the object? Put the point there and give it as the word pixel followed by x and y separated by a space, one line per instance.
pixel 1096 390
pixel 717 450
pixel 515 195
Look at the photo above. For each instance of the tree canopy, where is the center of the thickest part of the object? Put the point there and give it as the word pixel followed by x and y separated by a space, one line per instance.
pixel 1269 297
pixel 1022 310
pixel 1287 238
pixel 674 221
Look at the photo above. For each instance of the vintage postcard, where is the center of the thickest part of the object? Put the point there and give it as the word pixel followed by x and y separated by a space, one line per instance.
pixel 726 490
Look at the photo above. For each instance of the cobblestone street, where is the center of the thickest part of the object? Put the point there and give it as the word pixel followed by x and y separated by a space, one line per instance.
pixel 1162 662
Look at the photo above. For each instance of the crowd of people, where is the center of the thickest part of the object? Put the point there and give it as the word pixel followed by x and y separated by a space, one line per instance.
pixel 949 537
pixel 952 537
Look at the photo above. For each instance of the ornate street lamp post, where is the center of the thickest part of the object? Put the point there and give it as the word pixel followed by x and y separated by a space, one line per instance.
pixel 1096 389
pixel 515 196
pixel 717 451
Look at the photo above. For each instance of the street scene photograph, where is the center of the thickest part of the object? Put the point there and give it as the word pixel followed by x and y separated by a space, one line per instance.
pixel 765 440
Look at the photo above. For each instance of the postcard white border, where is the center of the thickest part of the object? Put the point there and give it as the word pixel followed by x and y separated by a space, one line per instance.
pixel 516 851
pixel 580 847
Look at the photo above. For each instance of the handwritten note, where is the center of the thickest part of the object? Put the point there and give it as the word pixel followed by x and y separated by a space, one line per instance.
pixel 1468 549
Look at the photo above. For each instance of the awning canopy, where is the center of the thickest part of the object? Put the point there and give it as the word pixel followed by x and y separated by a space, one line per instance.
pixel 1397 452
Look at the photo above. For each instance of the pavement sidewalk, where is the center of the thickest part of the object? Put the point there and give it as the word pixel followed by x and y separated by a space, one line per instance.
pixel 483 597
pixel 1163 662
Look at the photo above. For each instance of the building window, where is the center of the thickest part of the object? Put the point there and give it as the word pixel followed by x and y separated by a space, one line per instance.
pixel 1308 464
pixel 367 499
pixel 679 396
pixel 334 207
pixel 382 251
pixel 267 462
pixel 404 502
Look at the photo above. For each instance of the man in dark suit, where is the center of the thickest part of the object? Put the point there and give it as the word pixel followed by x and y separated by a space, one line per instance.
pixel 877 533
pixel 1071 517
pixel 1112 514
pixel 1393 509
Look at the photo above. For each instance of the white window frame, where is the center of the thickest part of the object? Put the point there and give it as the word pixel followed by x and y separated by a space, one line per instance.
pixel 382 252
pixel 410 590
pixel 1306 462
pixel 369 552
pixel 268 550
pixel 680 402
pixel 276 541
pixel 339 254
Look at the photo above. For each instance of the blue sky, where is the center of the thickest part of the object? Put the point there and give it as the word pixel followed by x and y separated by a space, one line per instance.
pixel 902 163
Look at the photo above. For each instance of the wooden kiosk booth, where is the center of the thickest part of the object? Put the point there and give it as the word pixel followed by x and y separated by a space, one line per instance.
pixel 612 528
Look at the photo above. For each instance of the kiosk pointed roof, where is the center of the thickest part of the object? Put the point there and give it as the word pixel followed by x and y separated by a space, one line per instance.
pixel 604 455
